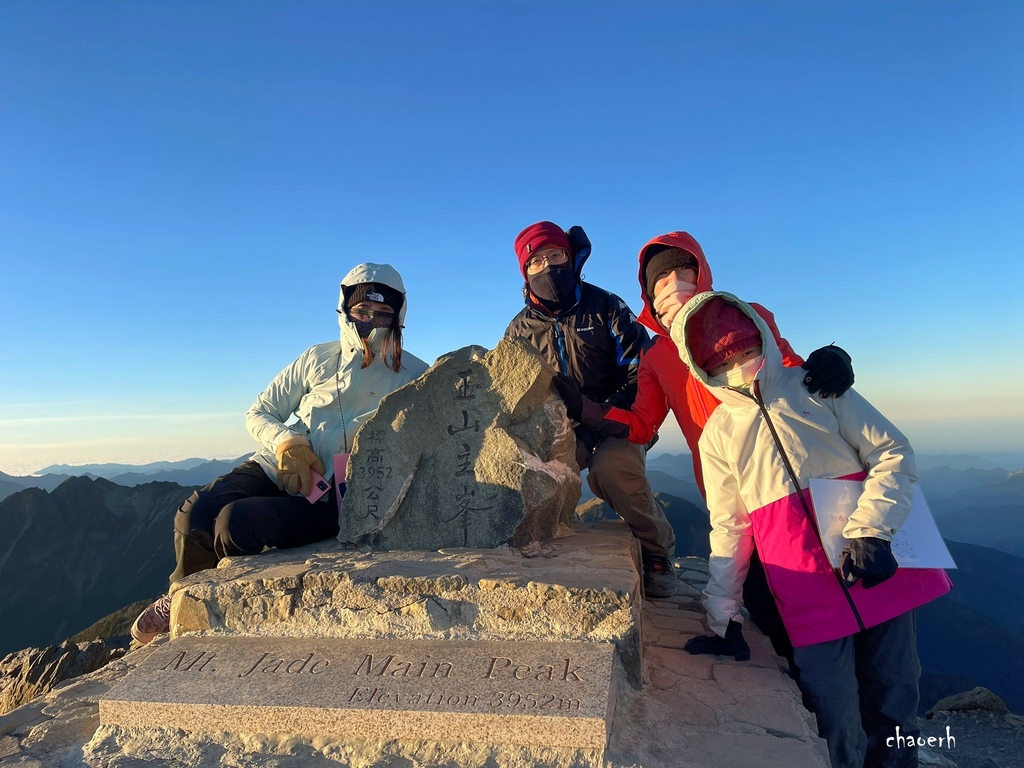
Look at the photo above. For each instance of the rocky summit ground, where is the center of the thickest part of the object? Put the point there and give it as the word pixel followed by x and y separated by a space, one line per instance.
pixel 981 740
pixel 694 712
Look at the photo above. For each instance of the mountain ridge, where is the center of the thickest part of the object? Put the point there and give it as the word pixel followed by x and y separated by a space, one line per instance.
pixel 80 552
pixel 196 474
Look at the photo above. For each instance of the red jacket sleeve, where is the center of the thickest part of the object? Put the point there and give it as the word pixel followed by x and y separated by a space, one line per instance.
pixel 649 408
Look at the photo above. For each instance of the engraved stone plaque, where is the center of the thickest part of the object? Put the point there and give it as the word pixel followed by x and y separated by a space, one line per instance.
pixel 533 693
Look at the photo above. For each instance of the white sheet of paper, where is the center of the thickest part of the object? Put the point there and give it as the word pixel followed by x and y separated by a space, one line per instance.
pixel 918 544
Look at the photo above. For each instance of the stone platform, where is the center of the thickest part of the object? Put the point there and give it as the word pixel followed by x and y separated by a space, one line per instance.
pixel 582 590
pixel 583 587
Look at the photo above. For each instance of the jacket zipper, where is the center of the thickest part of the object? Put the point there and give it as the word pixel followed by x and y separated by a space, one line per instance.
pixel 561 347
pixel 803 502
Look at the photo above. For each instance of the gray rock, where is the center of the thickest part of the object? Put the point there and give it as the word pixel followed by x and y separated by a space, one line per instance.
pixel 929 758
pixel 976 699
pixel 477 452
pixel 31 672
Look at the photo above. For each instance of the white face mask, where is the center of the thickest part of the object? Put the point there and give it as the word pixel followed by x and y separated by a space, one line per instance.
pixel 738 378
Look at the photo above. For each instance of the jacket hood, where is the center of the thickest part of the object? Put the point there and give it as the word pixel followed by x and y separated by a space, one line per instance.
pixel 686 242
pixel 375 273
pixel 369 273
pixel 772 355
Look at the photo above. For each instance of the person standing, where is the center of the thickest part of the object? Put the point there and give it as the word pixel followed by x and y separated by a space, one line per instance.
pixel 852 626
pixel 594 342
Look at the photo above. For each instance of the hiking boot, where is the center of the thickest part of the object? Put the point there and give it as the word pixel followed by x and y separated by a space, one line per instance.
pixel 155 620
pixel 659 576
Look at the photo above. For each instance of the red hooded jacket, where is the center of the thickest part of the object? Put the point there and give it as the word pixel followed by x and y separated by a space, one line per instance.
pixel 664 383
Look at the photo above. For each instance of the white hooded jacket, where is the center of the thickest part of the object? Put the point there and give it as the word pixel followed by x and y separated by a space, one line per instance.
pixel 759 451
pixel 328 389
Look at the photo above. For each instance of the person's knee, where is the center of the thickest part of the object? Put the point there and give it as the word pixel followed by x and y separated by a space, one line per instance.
pixel 604 479
pixel 198 512
pixel 231 534
pixel 618 458
pixel 183 517
pixel 604 456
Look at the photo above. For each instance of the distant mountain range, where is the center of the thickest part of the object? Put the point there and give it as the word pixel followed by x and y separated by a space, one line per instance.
pixel 976 631
pixel 110 470
pixel 984 507
pixel 185 472
pixel 1010 460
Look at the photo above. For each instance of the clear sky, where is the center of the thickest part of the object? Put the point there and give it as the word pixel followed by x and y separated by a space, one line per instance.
pixel 183 185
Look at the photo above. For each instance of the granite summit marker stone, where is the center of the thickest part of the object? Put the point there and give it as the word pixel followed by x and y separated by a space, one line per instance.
pixel 529 693
pixel 477 452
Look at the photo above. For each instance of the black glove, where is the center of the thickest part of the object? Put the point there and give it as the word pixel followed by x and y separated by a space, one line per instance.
pixel 732 644
pixel 586 441
pixel 829 371
pixel 869 559
pixel 570 393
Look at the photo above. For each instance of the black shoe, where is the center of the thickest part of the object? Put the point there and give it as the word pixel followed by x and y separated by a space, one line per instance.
pixel 659 576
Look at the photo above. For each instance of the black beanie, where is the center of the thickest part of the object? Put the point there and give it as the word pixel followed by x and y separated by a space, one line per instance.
pixel 666 257
pixel 385 294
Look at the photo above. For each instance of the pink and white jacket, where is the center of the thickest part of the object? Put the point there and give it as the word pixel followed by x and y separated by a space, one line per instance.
pixel 759 449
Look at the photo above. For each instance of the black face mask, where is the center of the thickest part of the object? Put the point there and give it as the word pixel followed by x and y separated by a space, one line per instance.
pixel 555 286
pixel 363 327
pixel 378 319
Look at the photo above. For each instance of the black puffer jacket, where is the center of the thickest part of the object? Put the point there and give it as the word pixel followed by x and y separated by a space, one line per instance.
pixel 597 343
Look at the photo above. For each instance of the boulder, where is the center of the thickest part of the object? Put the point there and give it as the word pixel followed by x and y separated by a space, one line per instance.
pixel 977 699
pixel 31 672
pixel 477 452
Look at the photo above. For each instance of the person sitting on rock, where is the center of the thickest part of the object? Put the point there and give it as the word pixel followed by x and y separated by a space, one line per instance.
pixel 593 340
pixel 852 627
pixel 332 388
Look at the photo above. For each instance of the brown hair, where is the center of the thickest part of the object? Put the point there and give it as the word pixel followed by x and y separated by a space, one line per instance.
pixel 392 345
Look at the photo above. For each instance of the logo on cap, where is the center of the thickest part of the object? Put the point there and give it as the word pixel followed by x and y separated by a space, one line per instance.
pixel 375 297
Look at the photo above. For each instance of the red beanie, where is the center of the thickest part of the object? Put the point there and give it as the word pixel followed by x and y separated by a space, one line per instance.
pixel 719 330
pixel 543 234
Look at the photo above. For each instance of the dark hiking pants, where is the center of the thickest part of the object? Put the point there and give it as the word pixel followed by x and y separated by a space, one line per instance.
pixel 242 513
pixel 760 603
pixel 618 474
pixel 861 688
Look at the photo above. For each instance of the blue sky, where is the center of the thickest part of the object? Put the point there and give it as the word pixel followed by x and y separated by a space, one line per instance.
pixel 184 184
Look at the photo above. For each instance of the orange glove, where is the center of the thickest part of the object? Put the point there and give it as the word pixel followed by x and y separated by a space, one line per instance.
pixel 295 459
